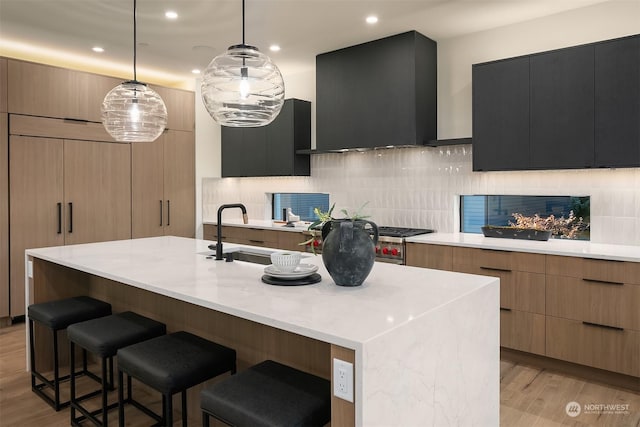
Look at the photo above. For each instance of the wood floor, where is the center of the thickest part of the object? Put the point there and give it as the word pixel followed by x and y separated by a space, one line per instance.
pixel 529 396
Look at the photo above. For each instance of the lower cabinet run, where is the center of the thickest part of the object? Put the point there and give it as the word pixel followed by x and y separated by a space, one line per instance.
pixel 580 310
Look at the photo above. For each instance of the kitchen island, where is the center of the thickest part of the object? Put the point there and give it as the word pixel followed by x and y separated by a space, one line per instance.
pixel 424 343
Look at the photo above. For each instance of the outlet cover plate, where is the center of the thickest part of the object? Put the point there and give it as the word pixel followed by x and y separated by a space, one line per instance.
pixel 343 379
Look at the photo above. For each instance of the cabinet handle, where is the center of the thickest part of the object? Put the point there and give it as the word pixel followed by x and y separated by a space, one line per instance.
pixel 59 218
pixel 603 282
pixel 75 121
pixel 504 309
pixel 168 212
pixel 597 325
pixel 256 241
pixel 161 220
pixel 495 269
pixel 495 250
pixel 70 217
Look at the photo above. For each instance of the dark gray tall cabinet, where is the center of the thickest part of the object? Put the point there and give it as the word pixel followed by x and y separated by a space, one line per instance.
pixel 501 115
pixel 562 108
pixel 617 101
pixel 577 107
pixel 270 150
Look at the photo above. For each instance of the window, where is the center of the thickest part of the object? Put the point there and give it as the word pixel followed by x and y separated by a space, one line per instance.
pixel 479 210
pixel 301 204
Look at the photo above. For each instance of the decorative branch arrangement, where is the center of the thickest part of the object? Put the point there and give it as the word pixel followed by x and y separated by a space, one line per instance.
pixel 565 228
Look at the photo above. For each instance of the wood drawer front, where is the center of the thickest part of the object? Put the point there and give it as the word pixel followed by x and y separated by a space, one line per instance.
pixel 498 260
pixel 597 302
pixel 594 269
pixel 250 236
pixel 522 331
pixel 518 290
pixel 604 348
pixel 290 240
pixel 57 128
pixel 439 257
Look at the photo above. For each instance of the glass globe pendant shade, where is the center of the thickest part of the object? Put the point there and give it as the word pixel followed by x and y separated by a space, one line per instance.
pixel 133 112
pixel 242 88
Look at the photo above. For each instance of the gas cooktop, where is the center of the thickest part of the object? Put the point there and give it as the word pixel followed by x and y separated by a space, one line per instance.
pixel 402 231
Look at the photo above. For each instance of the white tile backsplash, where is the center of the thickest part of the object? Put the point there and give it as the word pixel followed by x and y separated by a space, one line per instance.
pixel 419 187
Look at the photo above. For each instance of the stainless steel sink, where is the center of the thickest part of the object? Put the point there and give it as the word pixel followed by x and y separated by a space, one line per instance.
pixel 263 258
pixel 256 258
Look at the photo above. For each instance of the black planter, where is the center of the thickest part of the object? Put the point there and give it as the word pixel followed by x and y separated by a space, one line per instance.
pixel 348 251
pixel 515 233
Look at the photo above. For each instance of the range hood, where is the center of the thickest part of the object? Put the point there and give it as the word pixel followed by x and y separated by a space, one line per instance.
pixel 377 94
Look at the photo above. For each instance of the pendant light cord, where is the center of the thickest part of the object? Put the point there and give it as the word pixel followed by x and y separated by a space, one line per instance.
pixel 135 43
pixel 242 22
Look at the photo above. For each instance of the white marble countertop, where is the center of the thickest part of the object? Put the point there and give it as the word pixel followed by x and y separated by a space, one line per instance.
pixel 579 248
pixel 177 267
pixel 426 342
pixel 299 227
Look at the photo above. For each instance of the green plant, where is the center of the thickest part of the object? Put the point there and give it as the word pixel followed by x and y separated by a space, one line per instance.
pixel 324 217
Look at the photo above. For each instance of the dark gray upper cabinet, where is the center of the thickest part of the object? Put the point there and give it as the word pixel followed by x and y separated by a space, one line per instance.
pixel 270 150
pixel 583 106
pixel 617 115
pixel 562 109
pixel 377 94
pixel 501 115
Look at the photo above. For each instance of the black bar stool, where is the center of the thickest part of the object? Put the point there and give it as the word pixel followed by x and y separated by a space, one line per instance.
pixel 266 395
pixel 170 364
pixel 57 316
pixel 103 337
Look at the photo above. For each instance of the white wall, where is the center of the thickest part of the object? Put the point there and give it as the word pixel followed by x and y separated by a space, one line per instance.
pixel 419 187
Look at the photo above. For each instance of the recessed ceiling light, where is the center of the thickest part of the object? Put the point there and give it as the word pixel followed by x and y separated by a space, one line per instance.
pixel 170 14
pixel 195 71
pixel 97 49
pixel 372 19
pixel 274 48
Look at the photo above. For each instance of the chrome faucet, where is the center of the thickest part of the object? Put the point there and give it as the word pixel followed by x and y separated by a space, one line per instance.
pixel 245 219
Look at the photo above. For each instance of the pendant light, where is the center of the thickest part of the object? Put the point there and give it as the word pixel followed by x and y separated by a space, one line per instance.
pixel 242 87
pixel 132 111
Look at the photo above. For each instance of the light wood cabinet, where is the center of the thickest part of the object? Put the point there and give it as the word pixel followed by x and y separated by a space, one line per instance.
pixel 97 191
pixel 607 348
pixel 592 312
pixel 580 310
pixel 287 240
pixel 37 204
pixel 66 185
pixel 522 292
pixel 522 280
pixel 58 128
pixel 522 331
pixel 250 236
pixel 4 212
pixel 592 301
pixel 180 108
pixel 290 240
pixel 3 85
pixel 46 91
pixel 163 186
pixel 439 257
pixel 64 192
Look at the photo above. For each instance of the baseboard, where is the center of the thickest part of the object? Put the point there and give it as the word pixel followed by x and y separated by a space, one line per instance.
pixel 585 372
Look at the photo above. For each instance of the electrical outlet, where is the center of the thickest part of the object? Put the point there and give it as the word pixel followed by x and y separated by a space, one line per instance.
pixel 343 379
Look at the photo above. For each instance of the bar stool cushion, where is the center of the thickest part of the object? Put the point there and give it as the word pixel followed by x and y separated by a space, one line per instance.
pixel 60 314
pixel 176 361
pixel 270 394
pixel 104 336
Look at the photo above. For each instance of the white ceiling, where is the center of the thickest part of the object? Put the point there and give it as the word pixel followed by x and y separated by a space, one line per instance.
pixel 205 28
